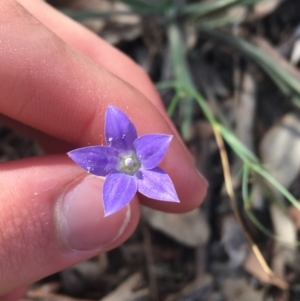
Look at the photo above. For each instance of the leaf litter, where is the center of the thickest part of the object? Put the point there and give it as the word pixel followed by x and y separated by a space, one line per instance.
pixel 214 261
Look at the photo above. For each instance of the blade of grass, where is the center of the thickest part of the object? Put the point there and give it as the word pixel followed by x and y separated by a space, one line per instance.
pixel 205 8
pixel 242 151
pixel 174 103
pixel 138 6
pixel 182 75
pixel 261 171
pixel 83 14
pixel 154 7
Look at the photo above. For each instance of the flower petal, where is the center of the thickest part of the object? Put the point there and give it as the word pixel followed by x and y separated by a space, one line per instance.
pixel 98 160
pixel 118 190
pixel 151 148
pixel 120 132
pixel 156 184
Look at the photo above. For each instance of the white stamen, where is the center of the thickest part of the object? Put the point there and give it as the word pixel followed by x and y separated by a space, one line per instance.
pixel 128 162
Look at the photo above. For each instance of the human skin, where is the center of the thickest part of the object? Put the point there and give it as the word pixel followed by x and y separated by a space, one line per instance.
pixel 56 81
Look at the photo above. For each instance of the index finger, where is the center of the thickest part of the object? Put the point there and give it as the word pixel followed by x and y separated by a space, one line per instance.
pixel 58 90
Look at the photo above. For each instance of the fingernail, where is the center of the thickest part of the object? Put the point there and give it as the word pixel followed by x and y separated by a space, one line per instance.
pixel 80 217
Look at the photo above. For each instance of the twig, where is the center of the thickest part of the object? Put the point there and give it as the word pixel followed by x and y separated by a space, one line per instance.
pixel 150 263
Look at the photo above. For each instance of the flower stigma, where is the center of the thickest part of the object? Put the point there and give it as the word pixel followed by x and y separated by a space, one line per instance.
pixel 129 163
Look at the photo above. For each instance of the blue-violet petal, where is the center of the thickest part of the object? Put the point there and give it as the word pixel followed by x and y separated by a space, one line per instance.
pixel 156 184
pixel 118 190
pixel 97 160
pixel 120 132
pixel 151 148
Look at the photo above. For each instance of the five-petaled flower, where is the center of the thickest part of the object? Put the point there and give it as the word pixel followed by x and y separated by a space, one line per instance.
pixel 129 163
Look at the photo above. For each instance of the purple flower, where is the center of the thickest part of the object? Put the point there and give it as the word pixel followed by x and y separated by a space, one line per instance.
pixel 129 163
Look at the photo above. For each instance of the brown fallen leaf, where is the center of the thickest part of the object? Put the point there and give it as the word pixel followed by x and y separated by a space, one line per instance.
pixel 264 8
pixel 189 228
pixel 126 291
pixel 237 289
pixel 295 215
pixel 44 296
pixel 252 266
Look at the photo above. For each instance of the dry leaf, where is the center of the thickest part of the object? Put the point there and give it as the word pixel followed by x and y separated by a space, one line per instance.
pixel 190 228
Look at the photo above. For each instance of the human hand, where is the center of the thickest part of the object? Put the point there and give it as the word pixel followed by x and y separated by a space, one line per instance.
pixel 56 81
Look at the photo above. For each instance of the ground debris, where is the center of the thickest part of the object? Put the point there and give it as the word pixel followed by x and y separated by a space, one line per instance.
pixel 203 254
pixel 189 229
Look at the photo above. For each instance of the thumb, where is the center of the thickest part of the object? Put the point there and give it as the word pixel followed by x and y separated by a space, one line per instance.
pixel 51 217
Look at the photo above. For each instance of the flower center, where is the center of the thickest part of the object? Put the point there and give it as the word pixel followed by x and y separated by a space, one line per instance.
pixel 128 163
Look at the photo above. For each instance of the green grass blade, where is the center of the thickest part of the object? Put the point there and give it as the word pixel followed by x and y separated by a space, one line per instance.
pixel 241 150
pixel 182 75
pixel 84 14
pixel 205 8
pixel 144 7
pixel 276 184
pixel 265 230
pixel 171 84
pixel 202 9
pixel 174 103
